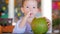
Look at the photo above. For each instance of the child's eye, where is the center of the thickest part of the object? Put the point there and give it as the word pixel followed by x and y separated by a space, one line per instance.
pixel 33 7
pixel 27 7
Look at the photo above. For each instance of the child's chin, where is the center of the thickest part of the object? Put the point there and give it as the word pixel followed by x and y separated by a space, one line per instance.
pixel 30 17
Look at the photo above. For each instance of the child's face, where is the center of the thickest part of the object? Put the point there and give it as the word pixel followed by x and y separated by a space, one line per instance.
pixel 30 6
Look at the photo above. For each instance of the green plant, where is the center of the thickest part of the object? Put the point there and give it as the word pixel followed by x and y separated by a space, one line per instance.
pixel 56 22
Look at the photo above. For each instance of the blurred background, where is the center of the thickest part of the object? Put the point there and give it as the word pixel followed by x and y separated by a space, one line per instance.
pixel 5 22
pixel 4 8
pixel 56 16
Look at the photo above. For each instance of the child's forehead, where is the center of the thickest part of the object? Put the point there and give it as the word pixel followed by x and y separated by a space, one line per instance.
pixel 30 2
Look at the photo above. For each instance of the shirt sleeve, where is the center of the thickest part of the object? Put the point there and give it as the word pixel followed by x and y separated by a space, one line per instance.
pixel 17 29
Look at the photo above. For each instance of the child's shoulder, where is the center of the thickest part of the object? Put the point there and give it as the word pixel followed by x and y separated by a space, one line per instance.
pixel 19 20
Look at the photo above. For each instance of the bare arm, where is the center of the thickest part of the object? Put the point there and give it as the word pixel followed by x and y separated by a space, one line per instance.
pixel 23 22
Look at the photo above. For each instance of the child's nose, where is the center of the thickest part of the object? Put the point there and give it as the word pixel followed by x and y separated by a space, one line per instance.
pixel 30 9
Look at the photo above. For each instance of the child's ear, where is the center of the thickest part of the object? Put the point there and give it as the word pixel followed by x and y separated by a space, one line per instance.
pixel 22 9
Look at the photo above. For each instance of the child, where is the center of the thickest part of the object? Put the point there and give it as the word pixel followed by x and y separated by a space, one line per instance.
pixel 30 9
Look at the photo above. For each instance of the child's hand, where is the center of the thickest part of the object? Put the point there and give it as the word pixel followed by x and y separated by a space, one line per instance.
pixel 48 22
pixel 23 22
pixel 27 15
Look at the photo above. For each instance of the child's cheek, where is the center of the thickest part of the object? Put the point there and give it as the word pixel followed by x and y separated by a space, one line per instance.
pixel 26 11
pixel 35 11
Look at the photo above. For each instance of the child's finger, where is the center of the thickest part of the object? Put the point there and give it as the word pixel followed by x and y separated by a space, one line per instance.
pixel 28 14
pixel 48 25
pixel 48 21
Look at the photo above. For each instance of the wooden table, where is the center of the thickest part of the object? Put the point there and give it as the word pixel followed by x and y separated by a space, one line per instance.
pixel 0 30
pixel 7 29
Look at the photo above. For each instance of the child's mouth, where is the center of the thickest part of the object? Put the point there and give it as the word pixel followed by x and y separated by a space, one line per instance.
pixel 30 13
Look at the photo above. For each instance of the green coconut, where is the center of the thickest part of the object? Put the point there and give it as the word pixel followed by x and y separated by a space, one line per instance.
pixel 39 26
